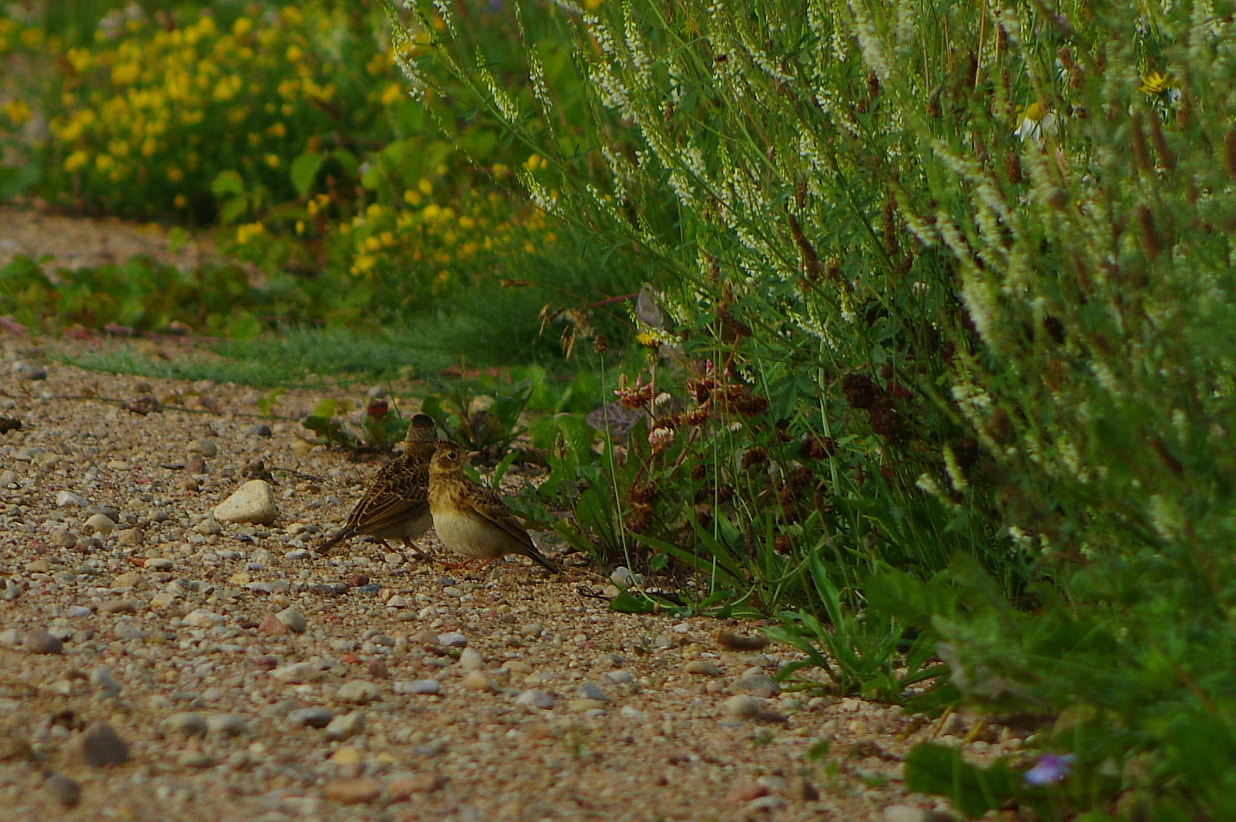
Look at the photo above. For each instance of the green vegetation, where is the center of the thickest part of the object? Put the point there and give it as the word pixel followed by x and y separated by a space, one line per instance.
pixel 929 357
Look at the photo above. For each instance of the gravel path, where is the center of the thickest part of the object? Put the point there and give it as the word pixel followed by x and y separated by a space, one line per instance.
pixel 156 663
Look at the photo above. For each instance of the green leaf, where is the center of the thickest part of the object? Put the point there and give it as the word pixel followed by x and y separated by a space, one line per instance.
pixel 227 182
pixel 305 171
pixel 939 770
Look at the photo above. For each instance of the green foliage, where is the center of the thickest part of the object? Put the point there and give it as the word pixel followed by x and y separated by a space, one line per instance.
pixel 953 286
pixel 139 293
pixel 381 428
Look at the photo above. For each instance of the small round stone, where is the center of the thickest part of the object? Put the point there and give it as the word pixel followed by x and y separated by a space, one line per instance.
pixel 100 524
pixel 310 717
pixel 758 685
pixel 41 641
pixel 741 706
pixel 102 680
pixel 358 692
pixel 352 791
pixel 185 723
pixel 703 667
pixel 477 681
pixel 346 726
pixel 63 790
pixel 471 660
pixel 427 687
pixel 294 619
pixel 99 746
pixel 225 725
pixel 532 698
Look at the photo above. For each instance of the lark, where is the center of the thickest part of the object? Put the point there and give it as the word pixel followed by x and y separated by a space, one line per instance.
pixel 396 506
pixel 470 519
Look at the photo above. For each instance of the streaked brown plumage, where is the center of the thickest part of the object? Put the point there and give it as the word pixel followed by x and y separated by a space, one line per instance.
pixel 471 519
pixel 396 506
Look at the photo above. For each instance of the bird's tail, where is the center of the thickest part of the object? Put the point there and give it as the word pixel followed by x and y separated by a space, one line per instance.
pixel 536 555
pixel 344 533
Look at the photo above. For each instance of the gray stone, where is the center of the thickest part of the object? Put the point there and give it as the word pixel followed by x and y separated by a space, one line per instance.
pixel 703 667
pixel 427 687
pixel 185 723
pixel 741 706
pixel 590 691
pixel 100 524
pixel 63 790
pixel 346 726
pixel 358 692
pixel 41 641
pixel 225 725
pixel 620 677
pixel 253 502
pixel 99 746
pixel 311 717
pixel 67 499
pixel 904 813
pixel 294 619
pixel 205 448
pixel 201 618
pixel 532 698
pixel 103 681
pixel 758 685
pixel 453 640
pixel 471 660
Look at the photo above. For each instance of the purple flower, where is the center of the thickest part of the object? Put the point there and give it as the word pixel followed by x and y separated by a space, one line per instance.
pixel 1050 768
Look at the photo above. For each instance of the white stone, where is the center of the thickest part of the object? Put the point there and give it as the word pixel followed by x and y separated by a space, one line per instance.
pixel 201 618
pixel 66 499
pixel 253 502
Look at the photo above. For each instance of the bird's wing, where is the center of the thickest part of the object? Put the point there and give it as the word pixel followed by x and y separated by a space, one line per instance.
pixel 399 493
pixel 488 504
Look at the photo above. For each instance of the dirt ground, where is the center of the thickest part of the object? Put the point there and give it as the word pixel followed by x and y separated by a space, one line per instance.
pixel 245 677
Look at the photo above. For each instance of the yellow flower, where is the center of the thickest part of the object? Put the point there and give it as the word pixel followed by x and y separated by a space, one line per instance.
pixel 534 162
pixel 241 27
pixel 17 111
pixel 272 160
pixel 180 201
pixel 104 162
pixel 294 54
pixel 248 231
pixel 424 186
pixel 76 160
pixel 645 339
pixel 125 74
pixel 1155 83
pixel 364 263
pixel 390 94
pixel 278 130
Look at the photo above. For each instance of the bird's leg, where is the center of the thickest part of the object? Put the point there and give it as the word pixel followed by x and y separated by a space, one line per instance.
pixel 419 553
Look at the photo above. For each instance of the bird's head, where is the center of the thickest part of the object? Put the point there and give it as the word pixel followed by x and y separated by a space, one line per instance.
pixel 448 459
pixel 421 429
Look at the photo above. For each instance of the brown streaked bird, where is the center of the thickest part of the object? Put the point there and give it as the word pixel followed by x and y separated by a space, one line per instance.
pixel 471 519
pixel 396 506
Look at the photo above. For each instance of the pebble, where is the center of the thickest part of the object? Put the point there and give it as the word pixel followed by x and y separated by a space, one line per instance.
pixel 358 692
pixel 185 723
pixel 453 640
pixel 590 691
pixel 623 578
pixel 401 787
pixel 532 630
pixel 742 706
pixel 346 726
pixel 129 579
pixel 581 705
pixel 201 618
pixel 225 725
pixel 297 673
pixel 620 677
pixel 293 619
pixel 156 563
pixel 764 804
pixel 532 698
pixel 103 681
pixel 310 717
pixel 272 625
pixel 352 791
pixel 703 667
pixel 758 685
pixel 739 642
pixel 30 372
pixel 67 499
pixel 209 527
pixel 62 538
pixel 904 813
pixel 259 430
pixel 99 746
pixel 77 612
pixel 100 524
pixel 41 641
pixel 478 681
pixel 471 660
pixel 117 606
pixel 63 790
pixel 205 448
pixel 253 502
pixel 418 686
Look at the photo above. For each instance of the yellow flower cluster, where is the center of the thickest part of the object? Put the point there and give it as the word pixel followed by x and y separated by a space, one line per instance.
pixel 422 244
pixel 157 110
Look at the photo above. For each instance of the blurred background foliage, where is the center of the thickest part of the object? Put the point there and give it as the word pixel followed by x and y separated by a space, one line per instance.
pixel 904 324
